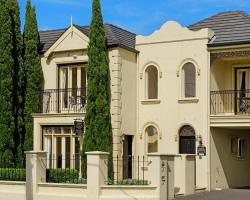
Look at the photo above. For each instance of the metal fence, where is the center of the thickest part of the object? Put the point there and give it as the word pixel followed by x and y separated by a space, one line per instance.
pixel 129 170
pixel 230 101
pixel 72 100
pixel 64 169
pixel 11 170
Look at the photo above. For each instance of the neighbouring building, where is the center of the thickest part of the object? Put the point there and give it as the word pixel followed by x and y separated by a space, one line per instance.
pixel 181 90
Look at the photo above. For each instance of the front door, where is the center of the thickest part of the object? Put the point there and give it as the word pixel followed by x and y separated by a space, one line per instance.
pixel 127 157
pixel 243 92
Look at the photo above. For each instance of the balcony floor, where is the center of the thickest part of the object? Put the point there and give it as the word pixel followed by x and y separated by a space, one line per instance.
pixel 230 120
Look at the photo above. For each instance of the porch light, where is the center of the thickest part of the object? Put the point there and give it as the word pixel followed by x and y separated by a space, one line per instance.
pixel 122 139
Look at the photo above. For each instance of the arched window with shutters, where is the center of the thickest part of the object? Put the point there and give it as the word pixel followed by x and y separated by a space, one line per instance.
pixel 189 80
pixel 152 139
pixel 151 82
pixel 187 140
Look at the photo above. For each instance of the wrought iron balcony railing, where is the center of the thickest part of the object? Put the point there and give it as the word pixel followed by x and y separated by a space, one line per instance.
pixel 235 102
pixel 63 100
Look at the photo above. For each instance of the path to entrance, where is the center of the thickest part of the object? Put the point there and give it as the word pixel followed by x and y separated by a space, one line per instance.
pixel 232 194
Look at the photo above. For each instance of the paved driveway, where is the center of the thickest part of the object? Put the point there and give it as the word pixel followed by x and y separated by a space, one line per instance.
pixel 232 194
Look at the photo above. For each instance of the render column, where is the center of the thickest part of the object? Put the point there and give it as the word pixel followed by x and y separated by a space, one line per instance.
pixel 97 173
pixel 161 174
pixel 35 172
pixel 189 174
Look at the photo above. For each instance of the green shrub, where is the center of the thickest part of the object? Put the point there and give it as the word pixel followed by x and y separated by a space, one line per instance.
pixel 128 182
pixel 63 176
pixel 11 174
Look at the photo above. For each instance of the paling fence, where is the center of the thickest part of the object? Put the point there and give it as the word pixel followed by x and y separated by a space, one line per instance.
pixel 57 177
pixel 129 170
pixel 64 169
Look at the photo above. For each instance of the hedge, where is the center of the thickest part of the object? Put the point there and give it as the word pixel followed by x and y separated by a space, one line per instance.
pixel 11 174
pixel 64 176
pixel 70 176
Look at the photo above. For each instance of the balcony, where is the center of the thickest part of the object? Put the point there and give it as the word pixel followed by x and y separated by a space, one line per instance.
pixel 230 102
pixel 55 101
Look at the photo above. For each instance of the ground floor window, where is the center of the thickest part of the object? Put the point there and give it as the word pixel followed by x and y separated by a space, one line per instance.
pixel 62 145
pixel 187 140
pixel 238 146
pixel 152 139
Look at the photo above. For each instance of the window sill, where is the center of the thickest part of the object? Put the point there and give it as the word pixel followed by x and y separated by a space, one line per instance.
pixel 190 100
pixel 151 101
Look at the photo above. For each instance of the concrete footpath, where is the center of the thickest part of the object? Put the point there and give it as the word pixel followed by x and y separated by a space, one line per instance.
pixel 231 194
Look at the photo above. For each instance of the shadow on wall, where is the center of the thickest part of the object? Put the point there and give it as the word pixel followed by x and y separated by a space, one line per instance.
pixel 227 169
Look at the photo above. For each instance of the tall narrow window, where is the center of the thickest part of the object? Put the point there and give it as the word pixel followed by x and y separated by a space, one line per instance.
pixel 189 80
pixel 151 82
pixel 187 140
pixel 152 139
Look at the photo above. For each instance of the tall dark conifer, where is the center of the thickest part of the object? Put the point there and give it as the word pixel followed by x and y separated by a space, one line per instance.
pixel 98 133
pixel 10 59
pixel 32 74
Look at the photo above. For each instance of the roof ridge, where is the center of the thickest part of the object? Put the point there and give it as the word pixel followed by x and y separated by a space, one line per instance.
pixel 59 29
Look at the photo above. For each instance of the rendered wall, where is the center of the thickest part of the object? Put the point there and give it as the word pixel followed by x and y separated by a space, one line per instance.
pixel 168 49
pixel 12 190
pixel 228 171
pixel 71 48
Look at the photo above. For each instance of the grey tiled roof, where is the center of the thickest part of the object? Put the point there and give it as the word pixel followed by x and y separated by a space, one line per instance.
pixel 232 27
pixel 115 37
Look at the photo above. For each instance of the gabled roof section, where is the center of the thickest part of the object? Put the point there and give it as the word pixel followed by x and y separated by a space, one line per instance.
pixel 115 37
pixel 230 28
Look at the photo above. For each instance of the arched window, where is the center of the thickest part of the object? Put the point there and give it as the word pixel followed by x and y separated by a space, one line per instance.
pixel 189 80
pixel 151 82
pixel 187 140
pixel 152 139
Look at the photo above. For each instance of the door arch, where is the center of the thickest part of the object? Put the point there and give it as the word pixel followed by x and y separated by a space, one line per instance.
pixel 187 140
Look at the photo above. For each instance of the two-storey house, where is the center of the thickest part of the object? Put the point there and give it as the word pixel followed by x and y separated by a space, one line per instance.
pixel 172 92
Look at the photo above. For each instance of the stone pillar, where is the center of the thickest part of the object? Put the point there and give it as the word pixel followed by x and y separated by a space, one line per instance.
pixel 161 174
pixel 189 174
pixel 97 173
pixel 35 172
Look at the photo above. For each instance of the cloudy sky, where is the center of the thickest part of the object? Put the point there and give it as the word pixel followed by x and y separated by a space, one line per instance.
pixel 138 16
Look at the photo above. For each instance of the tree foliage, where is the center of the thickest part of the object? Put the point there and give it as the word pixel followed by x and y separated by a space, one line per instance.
pixel 10 59
pixel 98 132
pixel 32 75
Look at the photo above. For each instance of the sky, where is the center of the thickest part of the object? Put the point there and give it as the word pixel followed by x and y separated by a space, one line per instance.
pixel 138 16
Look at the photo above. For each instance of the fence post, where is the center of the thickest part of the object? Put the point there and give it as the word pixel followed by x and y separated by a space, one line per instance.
pixel 35 172
pixel 161 174
pixel 189 174
pixel 97 173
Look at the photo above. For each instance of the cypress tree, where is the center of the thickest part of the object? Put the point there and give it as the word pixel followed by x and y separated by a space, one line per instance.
pixel 10 58
pixel 98 131
pixel 32 75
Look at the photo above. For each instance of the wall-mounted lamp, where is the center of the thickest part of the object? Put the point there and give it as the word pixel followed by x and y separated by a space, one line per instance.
pixel 199 139
pixel 122 138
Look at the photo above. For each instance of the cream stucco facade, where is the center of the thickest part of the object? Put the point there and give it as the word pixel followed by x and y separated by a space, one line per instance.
pixel 161 101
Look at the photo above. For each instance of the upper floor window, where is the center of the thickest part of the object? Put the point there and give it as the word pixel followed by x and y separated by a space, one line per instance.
pixel 151 78
pixel 189 80
pixel 152 139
